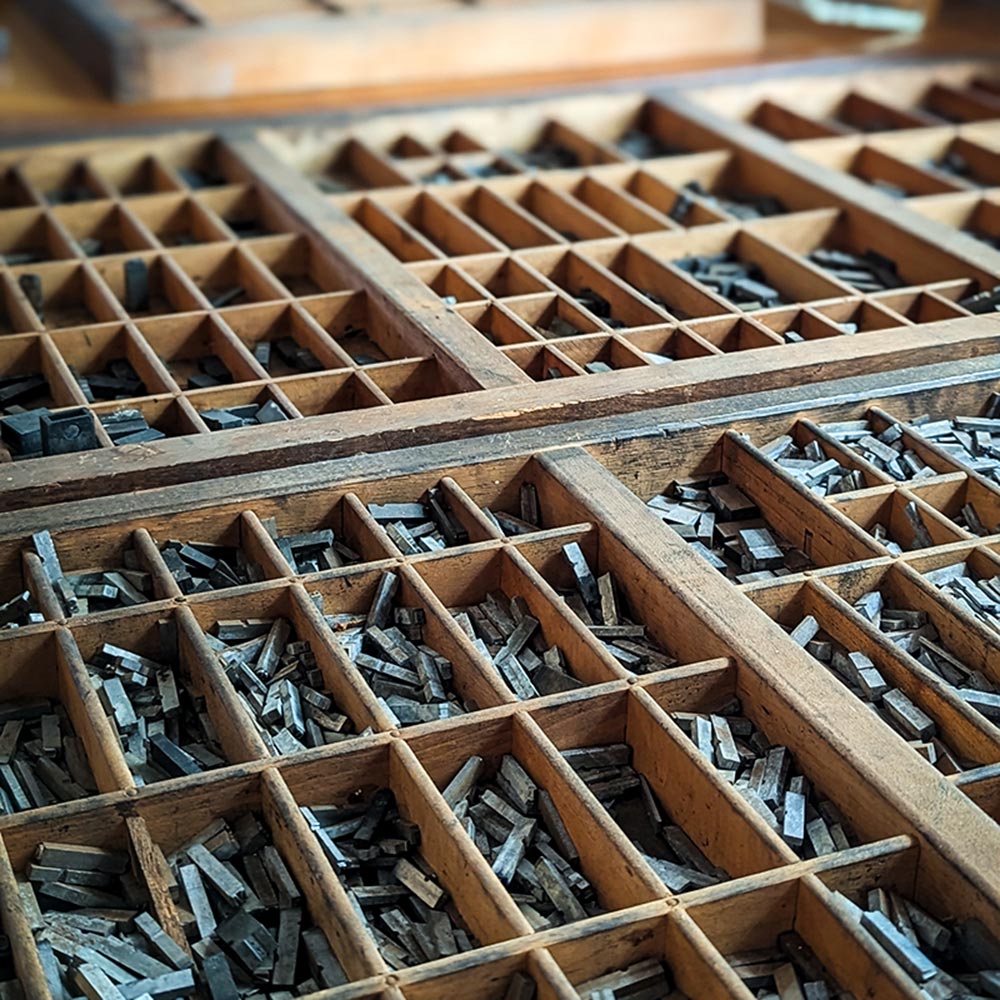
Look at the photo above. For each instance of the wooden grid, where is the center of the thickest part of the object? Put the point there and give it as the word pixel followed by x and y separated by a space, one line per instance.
pixel 725 645
pixel 456 251
pixel 177 207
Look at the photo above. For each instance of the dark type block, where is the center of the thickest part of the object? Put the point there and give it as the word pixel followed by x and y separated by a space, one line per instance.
pixel 631 802
pixel 251 415
pixel 227 298
pixel 31 285
pixel 282 687
pixel 983 302
pixel 789 970
pixel 548 154
pixel 645 145
pixel 97 590
pixel 93 927
pixel 502 630
pixel 19 611
pixel 949 959
pixel 723 525
pixel 645 980
pixel 119 380
pixel 136 275
pixel 742 283
pixel 427 526
pixel 767 778
pixel 129 427
pixel 250 913
pixel 17 391
pixel 202 566
pixel 42 761
pixel 376 854
pixel 22 432
pixel 860 675
pixel 312 551
pixel 868 272
pixel 888 450
pixel 742 205
pixel 598 603
pixel 969 440
pixel 68 431
pixel 521 834
pixel 412 681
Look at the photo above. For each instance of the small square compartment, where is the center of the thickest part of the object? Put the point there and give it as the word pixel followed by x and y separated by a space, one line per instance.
pixel 334 393
pixel 169 290
pixel 553 317
pixel 362 330
pixel 71 296
pixel 603 295
pixel 405 381
pixel 98 352
pixel 300 264
pixel 177 220
pixel 448 282
pixel 27 236
pixel 282 339
pixel 246 211
pixel 228 276
pixel 733 333
pixel 62 182
pixel 541 363
pixel 103 228
pixel 185 344
pixel 131 174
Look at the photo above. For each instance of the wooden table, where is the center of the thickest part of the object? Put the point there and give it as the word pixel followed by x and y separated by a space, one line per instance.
pixel 43 91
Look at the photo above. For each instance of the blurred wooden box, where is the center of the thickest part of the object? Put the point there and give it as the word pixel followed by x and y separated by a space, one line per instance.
pixel 143 50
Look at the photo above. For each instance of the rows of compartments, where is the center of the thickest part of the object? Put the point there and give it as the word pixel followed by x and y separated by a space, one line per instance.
pixel 873 542
pixel 195 307
pixel 866 103
pixel 916 163
pixel 208 370
pixel 663 297
pixel 438 149
pixel 308 838
pixel 304 625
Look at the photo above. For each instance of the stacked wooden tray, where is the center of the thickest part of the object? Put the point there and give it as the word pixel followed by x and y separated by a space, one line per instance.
pixel 918 817
pixel 156 50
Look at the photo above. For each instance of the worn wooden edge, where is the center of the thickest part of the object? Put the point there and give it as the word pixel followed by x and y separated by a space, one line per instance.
pixel 487 412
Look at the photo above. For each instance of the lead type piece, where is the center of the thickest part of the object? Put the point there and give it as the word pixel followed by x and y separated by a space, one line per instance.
pixel 279 681
pixel 164 729
pixel 646 980
pixel 914 633
pixel 765 775
pixel 724 526
pixel 427 525
pixel 200 567
pixel 91 591
pixel 42 760
pixel 518 829
pixel 95 934
pixel 395 892
pixel 250 930
pixel 412 681
pixel 947 960
pixel 504 631
pixel 630 800
pixel 600 605
pixel 858 673
pixel 791 970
